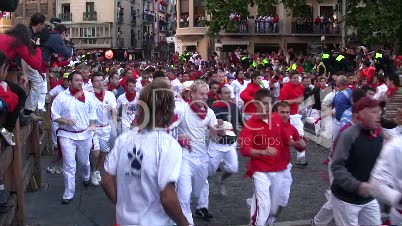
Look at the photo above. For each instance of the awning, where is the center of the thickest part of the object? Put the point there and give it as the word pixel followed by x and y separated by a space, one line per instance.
pixel 189 44
pixel 235 43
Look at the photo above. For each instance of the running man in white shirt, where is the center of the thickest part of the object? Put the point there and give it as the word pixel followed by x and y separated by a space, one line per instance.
pixel 143 168
pixel 74 111
pixel 127 106
pixel 106 114
pixel 196 119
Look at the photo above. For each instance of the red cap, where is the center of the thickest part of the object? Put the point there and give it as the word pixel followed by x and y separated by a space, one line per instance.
pixel 367 102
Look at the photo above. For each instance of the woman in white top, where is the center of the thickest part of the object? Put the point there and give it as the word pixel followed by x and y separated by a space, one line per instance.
pixel 142 169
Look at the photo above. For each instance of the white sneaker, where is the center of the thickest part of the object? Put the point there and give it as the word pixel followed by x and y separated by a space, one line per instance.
pixel 248 201
pixel 271 220
pixel 222 189
pixel 98 176
pixel 94 180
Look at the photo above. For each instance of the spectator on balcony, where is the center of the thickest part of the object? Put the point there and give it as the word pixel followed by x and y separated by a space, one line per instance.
pixel 276 22
pixel 317 22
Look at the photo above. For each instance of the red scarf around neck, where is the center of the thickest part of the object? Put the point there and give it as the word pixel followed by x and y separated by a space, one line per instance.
pixel 200 111
pixel 221 84
pixel 145 82
pixel 241 81
pixel 213 96
pixel 220 104
pixel 391 91
pixel 130 96
pixel 111 87
pixel 100 96
pixel 79 94
pixel 85 80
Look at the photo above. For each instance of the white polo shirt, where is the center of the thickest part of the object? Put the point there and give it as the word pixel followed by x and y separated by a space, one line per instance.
pixel 143 164
pixel 128 109
pixel 103 116
pixel 195 127
pixel 68 107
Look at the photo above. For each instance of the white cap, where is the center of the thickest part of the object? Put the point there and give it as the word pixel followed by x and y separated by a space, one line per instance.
pixel 228 127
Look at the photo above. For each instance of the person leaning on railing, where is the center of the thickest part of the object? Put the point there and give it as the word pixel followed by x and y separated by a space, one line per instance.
pixel 9 110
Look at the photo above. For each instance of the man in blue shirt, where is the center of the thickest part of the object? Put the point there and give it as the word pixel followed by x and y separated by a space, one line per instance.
pixel 341 102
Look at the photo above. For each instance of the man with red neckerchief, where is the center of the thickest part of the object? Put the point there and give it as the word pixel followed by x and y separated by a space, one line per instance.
pixel 106 116
pixel 114 84
pixel 239 85
pixel 74 111
pixel 86 78
pixel 197 125
pixel 127 106
pixel 393 107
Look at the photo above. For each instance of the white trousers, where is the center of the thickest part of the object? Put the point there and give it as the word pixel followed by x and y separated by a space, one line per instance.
pixel 395 217
pixel 193 180
pixel 287 181
pixel 55 126
pixel 222 153
pixel 69 149
pixel 325 215
pixel 348 214
pixel 36 81
pixel 295 120
pixel 266 197
pixel 101 139
pixel 42 98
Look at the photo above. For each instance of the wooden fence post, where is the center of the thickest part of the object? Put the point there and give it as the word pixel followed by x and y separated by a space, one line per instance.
pixel 17 176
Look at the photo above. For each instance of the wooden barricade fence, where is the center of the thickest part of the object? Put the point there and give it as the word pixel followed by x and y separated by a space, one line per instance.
pixel 20 170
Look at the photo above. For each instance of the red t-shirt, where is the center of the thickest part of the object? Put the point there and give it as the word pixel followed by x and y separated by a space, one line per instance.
pixel 291 91
pixel 258 134
pixel 248 95
pixel 291 133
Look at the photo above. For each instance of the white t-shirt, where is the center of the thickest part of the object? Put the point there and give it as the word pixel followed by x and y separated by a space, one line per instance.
pixel 68 107
pixel 195 127
pixel 103 116
pixel 143 164
pixel 56 90
pixel 128 110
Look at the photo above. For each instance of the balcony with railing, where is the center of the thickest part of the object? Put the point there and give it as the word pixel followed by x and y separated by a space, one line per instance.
pixel 89 16
pixel 238 27
pixel 303 27
pixel 66 16
pixel 266 27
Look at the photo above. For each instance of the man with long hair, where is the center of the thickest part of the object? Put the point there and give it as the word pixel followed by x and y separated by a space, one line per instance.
pixel 143 168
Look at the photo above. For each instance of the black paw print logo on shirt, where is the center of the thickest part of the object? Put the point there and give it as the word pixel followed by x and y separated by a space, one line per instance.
pixel 135 157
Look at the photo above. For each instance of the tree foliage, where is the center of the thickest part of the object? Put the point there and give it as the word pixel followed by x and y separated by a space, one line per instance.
pixel 373 21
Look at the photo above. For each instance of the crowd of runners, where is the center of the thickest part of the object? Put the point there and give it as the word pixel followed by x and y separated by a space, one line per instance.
pixel 153 132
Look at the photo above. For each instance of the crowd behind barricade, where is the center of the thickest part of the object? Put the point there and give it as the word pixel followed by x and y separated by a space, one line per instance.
pixel 158 130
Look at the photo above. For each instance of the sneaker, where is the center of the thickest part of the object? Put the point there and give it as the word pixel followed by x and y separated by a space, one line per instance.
pixel 8 136
pixel 203 213
pixel 94 179
pixel 86 183
pixel 66 201
pixel 301 161
pixel 271 220
pixel 248 201
pixel 98 176
pixel 34 117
